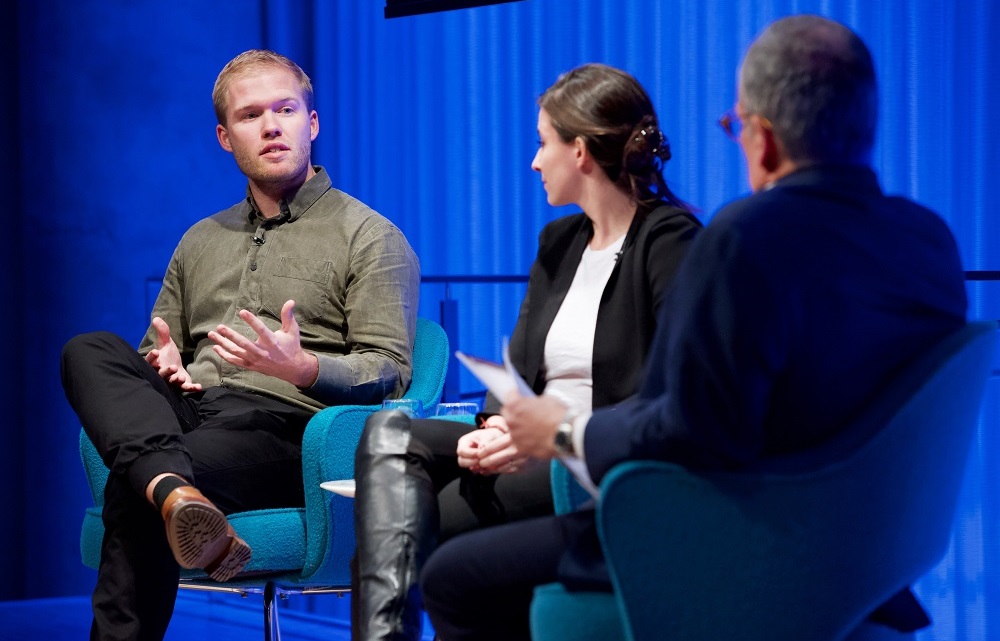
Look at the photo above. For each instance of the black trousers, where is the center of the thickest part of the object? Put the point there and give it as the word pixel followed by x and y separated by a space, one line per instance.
pixel 479 586
pixel 242 450
pixel 468 501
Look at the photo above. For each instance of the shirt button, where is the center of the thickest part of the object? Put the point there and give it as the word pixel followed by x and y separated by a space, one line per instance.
pixel 253 267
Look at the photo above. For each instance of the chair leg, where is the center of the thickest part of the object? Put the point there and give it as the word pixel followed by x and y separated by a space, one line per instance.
pixel 272 631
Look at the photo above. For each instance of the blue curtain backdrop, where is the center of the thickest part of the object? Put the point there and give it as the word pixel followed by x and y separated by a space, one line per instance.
pixel 431 120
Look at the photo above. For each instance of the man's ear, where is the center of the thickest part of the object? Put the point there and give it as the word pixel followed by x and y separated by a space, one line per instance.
pixel 770 150
pixel 223 136
pixel 313 125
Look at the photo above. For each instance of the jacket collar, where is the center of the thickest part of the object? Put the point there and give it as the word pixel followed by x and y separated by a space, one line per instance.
pixel 857 179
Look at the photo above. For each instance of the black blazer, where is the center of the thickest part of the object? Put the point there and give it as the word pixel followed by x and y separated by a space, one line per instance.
pixel 626 320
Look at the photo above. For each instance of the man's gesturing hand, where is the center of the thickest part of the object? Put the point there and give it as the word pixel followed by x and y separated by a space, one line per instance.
pixel 277 354
pixel 166 358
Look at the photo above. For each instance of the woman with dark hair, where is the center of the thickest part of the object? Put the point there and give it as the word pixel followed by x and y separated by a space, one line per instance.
pixel 582 334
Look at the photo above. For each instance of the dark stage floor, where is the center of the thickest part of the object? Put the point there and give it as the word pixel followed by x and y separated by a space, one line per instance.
pixel 198 616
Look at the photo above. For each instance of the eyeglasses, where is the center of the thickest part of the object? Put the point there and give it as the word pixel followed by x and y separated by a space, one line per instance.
pixel 732 124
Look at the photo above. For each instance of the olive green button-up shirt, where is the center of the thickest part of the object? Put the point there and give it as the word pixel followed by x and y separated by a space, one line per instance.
pixel 350 271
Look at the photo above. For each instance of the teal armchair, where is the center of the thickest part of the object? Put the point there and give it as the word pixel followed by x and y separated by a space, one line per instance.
pixel 295 550
pixel 804 556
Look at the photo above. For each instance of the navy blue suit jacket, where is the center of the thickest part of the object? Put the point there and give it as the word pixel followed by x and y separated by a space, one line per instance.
pixel 792 310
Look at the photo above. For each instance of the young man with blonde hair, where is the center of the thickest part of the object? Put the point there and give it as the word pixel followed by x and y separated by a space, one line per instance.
pixel 296 298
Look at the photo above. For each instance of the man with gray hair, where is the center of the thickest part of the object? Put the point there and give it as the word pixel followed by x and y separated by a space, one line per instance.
pixel 792 309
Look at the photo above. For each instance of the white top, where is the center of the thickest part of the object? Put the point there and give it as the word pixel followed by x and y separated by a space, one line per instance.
pixel 569 345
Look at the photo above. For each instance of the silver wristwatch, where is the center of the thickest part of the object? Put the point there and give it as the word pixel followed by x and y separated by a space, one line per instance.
pixel 564 437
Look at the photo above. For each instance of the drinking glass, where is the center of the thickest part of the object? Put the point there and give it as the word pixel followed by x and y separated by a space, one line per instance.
pixel 409 406
pixel 444 410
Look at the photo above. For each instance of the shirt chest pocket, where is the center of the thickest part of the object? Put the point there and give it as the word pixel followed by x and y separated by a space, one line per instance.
pixel 308 282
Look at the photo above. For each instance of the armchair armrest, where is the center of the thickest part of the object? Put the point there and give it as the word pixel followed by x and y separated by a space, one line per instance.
pixel 95 469
pixel 328 446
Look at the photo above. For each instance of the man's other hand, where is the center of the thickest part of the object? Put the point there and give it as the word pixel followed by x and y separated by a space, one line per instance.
pixel 166 359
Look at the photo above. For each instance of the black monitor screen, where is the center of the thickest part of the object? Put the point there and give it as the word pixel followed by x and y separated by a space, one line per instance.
pixel 399 8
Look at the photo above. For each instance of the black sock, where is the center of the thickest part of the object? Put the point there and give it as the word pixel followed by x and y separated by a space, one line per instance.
pixel 164 487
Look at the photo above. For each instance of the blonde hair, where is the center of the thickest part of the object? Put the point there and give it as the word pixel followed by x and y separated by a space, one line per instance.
pixel 250 60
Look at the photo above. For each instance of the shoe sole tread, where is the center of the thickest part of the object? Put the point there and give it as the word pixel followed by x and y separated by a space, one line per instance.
pixel 199 538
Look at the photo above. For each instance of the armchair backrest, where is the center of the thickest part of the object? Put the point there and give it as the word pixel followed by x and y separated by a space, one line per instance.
pixel 430 362
pixel 800 555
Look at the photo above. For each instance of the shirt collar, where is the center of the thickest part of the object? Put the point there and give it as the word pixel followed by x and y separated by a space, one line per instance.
pixel 308 193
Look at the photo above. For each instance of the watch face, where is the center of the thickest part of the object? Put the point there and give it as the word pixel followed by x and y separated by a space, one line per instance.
pixel 563 441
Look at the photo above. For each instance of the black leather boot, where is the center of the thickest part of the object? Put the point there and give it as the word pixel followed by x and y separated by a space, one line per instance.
pixel 395 521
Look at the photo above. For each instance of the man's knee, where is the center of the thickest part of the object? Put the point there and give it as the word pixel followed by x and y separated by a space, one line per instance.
pixel 90 343
pixel 86 349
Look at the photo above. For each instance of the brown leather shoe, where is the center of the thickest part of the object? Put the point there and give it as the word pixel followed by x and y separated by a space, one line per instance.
pixel 201 537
